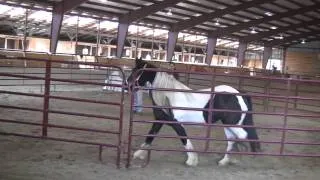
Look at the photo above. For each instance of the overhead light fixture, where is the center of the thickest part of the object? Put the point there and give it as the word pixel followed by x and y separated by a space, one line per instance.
pixel 281 37
pixel 268 13
pixel 273 27
pixel 278 37
pixel 217 23
pixel 253 31
pixel 303 41
pixel 169 13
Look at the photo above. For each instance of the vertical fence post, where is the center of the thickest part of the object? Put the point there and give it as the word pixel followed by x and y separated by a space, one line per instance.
pixel 210 112
pixel 296 93
pixel 240 81
pixel 46 97
pixel 285 118
pixel 121 117
pixel 188 77
pixel 266 99
pixel 131 95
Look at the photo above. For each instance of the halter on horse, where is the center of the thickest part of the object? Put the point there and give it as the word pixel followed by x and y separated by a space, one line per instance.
pixel 195 100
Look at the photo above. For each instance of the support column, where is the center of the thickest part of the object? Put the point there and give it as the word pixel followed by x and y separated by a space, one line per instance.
pixel 57 17
pixel 241 53
pixel 25 33
pixel 122 34
pixel 211 46
pixel 98 38
pixel 266 56
pixel 284 57
pixel 171 44
pixel 59 8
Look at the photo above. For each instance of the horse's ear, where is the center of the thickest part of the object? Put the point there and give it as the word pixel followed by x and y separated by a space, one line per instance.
pixel 138 62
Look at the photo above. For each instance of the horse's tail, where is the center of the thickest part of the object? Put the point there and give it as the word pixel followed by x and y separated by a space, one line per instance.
pixel 252 133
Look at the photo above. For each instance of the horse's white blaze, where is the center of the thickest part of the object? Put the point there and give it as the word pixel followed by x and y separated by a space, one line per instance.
pixel 141 154
pixel 192 156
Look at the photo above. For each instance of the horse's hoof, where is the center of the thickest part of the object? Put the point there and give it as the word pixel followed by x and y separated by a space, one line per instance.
pixel 192 160
pixel 223 162
pixel 140 154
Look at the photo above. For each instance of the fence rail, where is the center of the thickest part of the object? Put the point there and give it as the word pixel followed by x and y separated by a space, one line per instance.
pixel 282 98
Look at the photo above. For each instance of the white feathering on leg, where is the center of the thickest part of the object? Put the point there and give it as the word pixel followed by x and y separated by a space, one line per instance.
pixel 192 156
pixel 141 154
pixel 225 160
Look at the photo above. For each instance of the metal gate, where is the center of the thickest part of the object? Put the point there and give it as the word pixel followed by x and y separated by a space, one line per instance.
pixel 44 82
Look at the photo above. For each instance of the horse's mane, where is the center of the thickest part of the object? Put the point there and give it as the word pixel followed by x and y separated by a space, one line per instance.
pixel 166 80
pixel 166 98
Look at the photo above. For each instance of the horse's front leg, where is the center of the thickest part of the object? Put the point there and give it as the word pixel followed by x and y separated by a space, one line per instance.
pixel 142 154
pixel 192 156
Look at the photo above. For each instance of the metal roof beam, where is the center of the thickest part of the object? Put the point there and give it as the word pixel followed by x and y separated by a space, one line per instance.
pixel 216 14
pixel 59 9
pixel 211 46
pixel 292 38
pixel 231 29
pixel 261 35
pixel 68 5
pixel 147 10
pixel 241 53
pixel 171 44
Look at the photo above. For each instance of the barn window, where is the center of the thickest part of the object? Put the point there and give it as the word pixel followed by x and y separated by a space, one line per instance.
pixel 2 42
pixel 21 44
pixel 10 44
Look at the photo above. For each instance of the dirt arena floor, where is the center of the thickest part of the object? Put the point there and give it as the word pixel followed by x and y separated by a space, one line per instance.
pixel 35 159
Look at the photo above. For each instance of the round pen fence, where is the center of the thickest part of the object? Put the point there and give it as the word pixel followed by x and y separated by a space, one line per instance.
pixel 286 115
pixel 83 102
pixel 51 106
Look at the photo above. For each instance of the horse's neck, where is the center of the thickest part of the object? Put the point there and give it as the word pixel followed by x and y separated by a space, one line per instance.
pixel 164 80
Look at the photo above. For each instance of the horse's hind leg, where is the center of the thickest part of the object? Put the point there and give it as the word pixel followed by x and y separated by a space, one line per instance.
pixel 232 133
pixel 226 158
pixel 192 156
pixel 141 154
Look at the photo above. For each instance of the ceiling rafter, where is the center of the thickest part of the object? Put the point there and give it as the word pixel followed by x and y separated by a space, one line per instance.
pixel 317 38
pixel 255 37
pixel 291 38
pixel 231 29
pixel 109 6
pixel 218 13
pixel 197 4
pixel 131 3
pixel 68 5
pixel 188 9
pixel 147 10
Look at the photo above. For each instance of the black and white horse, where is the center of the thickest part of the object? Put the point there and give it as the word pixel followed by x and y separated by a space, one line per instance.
pixel 194 100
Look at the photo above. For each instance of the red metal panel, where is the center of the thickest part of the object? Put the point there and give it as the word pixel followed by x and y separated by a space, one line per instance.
pixel 283 141
pixel 47 126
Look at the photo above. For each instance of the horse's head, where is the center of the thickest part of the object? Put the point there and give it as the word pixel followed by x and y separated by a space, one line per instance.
pixel 139 75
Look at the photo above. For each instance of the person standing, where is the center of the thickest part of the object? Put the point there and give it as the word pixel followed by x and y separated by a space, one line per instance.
pixel 138 100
